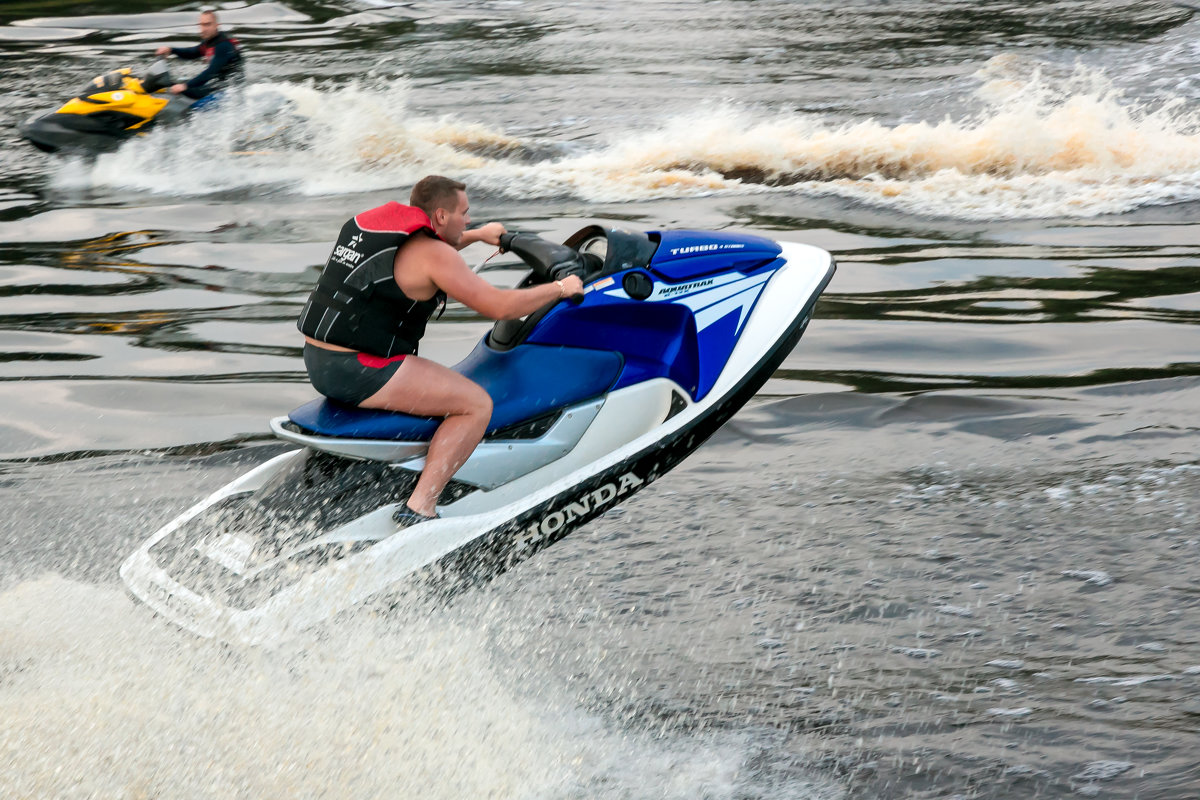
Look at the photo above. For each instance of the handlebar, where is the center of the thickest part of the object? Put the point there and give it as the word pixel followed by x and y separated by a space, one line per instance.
pixel 549 261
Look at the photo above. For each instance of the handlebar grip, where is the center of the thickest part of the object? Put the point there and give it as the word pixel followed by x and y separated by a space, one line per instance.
pixel 575 299
pixel 506 241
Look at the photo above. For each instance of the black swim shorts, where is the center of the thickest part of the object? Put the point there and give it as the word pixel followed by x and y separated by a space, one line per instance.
pixel 348 377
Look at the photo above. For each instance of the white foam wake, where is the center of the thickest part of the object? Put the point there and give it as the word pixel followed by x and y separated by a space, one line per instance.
pixel 1037 147
pixel 100 699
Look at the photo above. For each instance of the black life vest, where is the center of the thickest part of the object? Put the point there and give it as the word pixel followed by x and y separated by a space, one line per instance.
pixel 233 69
pixel 357 303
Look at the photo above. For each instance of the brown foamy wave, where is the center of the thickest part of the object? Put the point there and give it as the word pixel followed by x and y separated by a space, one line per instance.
pixel 1081 133
pixel 1036 149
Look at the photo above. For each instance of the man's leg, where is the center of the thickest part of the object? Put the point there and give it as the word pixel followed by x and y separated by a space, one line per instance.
pixel 428 389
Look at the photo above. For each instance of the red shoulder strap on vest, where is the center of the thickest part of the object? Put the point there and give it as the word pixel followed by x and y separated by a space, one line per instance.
pixel 393 217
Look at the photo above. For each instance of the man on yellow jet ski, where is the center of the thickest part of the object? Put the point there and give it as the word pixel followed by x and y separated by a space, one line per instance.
pixel 223 54
pixel 119 104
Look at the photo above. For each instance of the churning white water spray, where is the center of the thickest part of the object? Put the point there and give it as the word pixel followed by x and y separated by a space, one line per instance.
pixel 1037 147
pixel 101 699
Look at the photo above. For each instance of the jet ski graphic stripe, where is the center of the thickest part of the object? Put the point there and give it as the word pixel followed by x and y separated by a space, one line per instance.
pixel 507 545
pixel 670 291
pixel 743 301
pixel 701 300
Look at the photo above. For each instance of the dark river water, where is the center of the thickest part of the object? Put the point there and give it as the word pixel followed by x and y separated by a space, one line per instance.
pixel 950 550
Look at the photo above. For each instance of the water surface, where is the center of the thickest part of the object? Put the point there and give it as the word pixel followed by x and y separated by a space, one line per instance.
pixel 948 551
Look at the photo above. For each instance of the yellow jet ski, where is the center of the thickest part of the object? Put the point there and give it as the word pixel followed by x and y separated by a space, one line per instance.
pixel 113 107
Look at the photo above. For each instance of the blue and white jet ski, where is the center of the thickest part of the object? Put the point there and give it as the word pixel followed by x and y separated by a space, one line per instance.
pixel 593 400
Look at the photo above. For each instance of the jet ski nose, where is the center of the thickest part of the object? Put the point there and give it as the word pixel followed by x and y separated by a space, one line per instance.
pixel 38 132
pixel 30 132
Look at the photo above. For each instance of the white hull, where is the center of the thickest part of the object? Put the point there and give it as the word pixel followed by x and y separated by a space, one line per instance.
pixel 627 439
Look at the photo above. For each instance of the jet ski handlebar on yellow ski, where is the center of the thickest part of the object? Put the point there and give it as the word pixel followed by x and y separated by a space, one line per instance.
pixel 155 78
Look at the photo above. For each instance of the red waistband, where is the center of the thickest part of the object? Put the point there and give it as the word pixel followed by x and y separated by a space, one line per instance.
pixel 377 362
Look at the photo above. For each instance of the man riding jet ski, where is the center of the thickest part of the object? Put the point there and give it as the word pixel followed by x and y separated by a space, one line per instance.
pixel 223 54
pixel 390 269
pixel 586 401
pixel 118 105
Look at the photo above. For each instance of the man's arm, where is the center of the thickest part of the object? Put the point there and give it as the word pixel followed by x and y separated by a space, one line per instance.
pixel 445 268
pixel 489 233
pixel 187 53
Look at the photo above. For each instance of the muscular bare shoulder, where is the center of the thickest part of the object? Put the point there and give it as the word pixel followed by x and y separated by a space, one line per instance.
pixel 419 263
pixel 425 244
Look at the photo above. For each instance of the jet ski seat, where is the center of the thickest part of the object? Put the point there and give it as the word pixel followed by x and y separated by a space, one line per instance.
pixel 525 383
